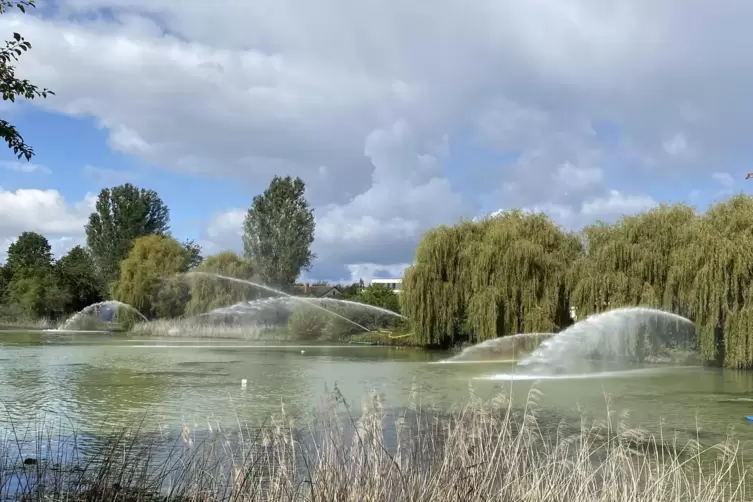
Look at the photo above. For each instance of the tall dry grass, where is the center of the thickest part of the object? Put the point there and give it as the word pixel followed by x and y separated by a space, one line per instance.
pixel 23 323
pixel 482 451
pixel 195 328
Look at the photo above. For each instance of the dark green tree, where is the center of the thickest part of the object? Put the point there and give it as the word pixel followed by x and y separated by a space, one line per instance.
pixel 78 276
pixel 193 253
pixel 32 287
pixel 5 277
pixel 278 232
pixel 123 214
pixel 30 252
pixel 380 295
pixel 11 86
pixel 351 291
pixel 37 293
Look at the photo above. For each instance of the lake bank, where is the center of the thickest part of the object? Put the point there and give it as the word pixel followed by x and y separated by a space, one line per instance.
pixel 485 450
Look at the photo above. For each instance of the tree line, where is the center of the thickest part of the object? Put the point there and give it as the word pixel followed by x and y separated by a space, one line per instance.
pixel 519 272
pixel 131 256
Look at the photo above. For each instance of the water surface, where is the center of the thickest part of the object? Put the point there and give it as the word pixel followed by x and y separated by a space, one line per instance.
pixel 93 379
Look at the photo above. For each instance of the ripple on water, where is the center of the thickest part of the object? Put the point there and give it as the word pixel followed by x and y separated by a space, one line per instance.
pixel 571 376
pixel 206 363
pixel 179 374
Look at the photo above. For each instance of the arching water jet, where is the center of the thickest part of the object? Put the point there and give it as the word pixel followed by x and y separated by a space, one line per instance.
pixel 287 302
pixel 632 333
pixel 305 301
pixel 96 309
pixel 505 346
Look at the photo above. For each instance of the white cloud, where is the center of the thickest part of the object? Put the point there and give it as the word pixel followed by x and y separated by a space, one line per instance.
pixel 25 167
pixel 367 102
pixel 617 204
pixel 46 212
pixel 369 271
pixel 676 145
pixel 43 211
pixel 578 178
pixel 224 232
pixel 607 207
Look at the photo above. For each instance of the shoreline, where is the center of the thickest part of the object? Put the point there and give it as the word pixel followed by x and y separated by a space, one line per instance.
pixel 425 454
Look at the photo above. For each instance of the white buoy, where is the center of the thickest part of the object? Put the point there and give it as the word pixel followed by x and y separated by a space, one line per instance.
pixel 244 382
pixel 303 352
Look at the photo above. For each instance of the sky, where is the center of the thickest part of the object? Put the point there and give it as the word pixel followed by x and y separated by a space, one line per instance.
pixel 399 116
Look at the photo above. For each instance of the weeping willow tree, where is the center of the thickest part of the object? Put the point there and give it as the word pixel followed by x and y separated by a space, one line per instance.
pixel 712 279
pixel 208 293
pixel 519 272
pixel 628 263
pixel 479 280
pixel 147 277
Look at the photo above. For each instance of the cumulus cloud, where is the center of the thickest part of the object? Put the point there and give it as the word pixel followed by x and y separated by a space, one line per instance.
pixel 224 232
pixel 46 212
pixel 371 103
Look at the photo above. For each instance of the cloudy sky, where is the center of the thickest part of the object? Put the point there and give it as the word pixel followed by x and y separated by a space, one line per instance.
pixel 398 115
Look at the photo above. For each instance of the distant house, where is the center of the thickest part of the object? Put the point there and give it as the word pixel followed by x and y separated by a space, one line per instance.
pixel 318 290
pixel 395 285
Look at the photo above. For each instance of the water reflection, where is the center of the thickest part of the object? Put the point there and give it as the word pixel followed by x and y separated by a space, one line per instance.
pixel 93 380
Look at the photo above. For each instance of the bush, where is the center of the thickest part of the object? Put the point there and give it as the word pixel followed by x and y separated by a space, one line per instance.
pixel 307 323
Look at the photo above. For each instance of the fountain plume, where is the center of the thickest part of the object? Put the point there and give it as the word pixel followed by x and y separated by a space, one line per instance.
pixel 633 333
pixel 96 309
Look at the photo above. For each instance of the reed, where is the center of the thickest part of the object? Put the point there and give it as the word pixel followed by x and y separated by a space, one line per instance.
pixel 193 328
pixel 482 451
pixel 25 323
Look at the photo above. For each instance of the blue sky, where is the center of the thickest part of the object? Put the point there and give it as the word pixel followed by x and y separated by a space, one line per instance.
pixel 398 119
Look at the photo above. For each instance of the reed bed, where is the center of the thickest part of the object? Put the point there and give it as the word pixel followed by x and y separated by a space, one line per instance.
pixel 482 451
pixel 21 323
pixel 193 328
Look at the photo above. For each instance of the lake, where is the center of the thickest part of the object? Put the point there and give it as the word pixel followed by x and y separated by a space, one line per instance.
pixel 88 380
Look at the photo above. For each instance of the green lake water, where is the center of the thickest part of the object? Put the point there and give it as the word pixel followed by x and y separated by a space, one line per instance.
pixel 88 380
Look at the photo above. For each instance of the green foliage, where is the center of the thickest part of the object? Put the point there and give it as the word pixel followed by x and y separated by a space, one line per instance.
pixel 628 263
pixel 5 277
pixel 29 253
pixel 78 275
pixel 380 295
pixel 351 291
pixel 29 283
pixel 519 273
pixel 278 232
pixel 11 86
pixel 478 280
pixel 207 293
pixel 37 294
pixel 711 280
pixel 193 253
pixel 307 323
pixel 122 215
pixel 147 277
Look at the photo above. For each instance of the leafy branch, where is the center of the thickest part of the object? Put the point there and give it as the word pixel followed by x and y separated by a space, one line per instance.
pixel 12 87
